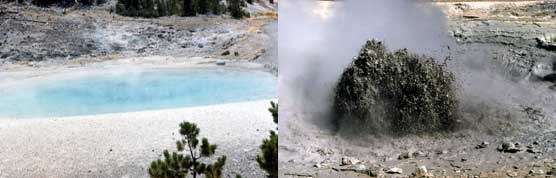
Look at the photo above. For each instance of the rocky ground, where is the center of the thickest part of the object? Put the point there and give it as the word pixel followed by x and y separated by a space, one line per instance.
pixel 502 56
pixel 55 36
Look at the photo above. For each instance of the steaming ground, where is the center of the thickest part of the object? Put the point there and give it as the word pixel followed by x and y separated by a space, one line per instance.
pixel 53 36
pixel 495 52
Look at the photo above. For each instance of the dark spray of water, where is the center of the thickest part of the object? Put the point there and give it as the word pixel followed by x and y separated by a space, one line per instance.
pixel 318 39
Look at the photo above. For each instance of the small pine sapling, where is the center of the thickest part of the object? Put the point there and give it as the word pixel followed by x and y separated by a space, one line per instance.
pixel 268 159
pixel 180 165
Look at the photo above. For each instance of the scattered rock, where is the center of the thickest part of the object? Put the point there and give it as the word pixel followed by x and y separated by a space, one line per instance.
pixel 536 172
pixel 324 152
pixel 142 50
pixel 236 53
pixel 421 172
pixel 225 53
pixel 470 16
pixel 324 163
pixel 31 64
pixel 540 70
pixel 359 168
pixel 531 149
pixel 255 57
pixel 394 170
pixel 318 165
pixel 512 174
pixel 299 175
pixel 509 147
pixel 547 41
pixel 405 155
pixel 552 172
pixel 259 54
pixel 482 145
pixel 442 152
pixel 455 165
pixel 375 172
pixel 348 161
pixel 220 62
pixel 536 114
pixel 418 154
pixel 228 43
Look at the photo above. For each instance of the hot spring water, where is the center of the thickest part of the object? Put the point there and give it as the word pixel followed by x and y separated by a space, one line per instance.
pixel 101 92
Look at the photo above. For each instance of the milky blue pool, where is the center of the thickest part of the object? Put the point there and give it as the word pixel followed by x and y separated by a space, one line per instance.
pixel 124 91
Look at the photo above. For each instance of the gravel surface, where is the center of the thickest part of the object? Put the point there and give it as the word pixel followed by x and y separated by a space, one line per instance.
pixel 124 144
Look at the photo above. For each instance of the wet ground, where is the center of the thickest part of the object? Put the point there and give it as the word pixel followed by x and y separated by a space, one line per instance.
pixel 499 59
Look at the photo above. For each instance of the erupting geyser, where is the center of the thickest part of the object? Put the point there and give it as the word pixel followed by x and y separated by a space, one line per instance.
pixel 395 92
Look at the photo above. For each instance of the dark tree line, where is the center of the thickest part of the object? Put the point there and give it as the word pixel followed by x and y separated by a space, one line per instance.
pixel 251 1
pixel 235 7
pixel 64 3
pixel 159 8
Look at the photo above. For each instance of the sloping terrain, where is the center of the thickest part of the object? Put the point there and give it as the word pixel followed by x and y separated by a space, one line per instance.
pixel 41 36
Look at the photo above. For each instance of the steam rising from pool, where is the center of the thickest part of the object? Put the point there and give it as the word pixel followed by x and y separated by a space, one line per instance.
pixel 124 91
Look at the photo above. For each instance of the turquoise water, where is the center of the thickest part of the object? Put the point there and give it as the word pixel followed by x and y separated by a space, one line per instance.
pixel 125 91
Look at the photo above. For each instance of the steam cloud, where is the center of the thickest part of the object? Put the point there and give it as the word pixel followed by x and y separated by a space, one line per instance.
pixel 318 39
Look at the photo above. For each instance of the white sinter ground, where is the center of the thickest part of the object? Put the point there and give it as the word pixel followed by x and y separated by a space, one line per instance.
pixel 124 144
